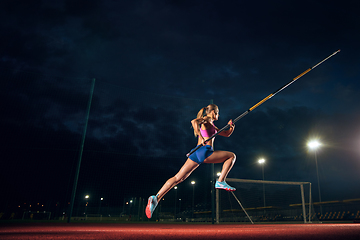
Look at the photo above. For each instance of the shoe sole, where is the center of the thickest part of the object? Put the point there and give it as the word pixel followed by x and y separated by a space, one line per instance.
pixel 147 210
pixel 227 189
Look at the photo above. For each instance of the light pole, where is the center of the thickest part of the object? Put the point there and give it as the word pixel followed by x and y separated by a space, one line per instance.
pixel 101 199
pixel 87 202
pixel 193 183
pixel 131 201
pixel 175 201
pixel 314 145
pixel 262 162
pixel 217 217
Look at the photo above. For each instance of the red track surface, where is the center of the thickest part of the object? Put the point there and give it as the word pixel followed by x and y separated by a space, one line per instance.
pixel 179 231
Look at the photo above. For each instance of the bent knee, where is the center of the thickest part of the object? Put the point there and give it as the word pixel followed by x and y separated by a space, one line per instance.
pixel 233 156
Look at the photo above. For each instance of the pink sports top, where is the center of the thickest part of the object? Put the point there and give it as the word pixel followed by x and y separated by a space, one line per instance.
pixel 209 131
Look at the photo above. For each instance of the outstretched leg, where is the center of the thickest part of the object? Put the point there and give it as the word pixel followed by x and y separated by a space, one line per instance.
pixel 185 171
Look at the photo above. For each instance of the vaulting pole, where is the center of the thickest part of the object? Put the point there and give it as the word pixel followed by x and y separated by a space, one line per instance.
pixel 262 101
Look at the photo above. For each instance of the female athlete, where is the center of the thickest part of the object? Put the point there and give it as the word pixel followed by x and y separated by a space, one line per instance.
pixel 204 128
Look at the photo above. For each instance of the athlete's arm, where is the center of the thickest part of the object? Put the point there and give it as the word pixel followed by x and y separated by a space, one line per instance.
pixel 228 132
pixel 196 123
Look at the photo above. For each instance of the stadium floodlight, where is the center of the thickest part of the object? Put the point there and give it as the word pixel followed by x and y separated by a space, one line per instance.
pixel 86 198
pixel 314 145
pixel 261 161
pixel 101 199
pixel 193 183
pixel 175 201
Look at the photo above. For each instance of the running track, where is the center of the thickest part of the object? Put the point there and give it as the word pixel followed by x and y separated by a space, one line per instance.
pixel 179 231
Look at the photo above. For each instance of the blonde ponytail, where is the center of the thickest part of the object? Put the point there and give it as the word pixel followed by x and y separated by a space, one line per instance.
pixel 201 112
pixel 200 115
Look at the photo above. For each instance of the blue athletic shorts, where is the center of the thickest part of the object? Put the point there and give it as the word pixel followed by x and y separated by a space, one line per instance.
pixel 201 154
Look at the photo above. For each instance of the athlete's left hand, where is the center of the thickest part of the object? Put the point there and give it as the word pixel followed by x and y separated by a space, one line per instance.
pixel 231 123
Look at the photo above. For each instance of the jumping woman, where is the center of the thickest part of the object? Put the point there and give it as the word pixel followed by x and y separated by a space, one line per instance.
pixel 204 128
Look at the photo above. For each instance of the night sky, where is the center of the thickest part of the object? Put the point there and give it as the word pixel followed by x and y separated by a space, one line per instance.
pixel 156 64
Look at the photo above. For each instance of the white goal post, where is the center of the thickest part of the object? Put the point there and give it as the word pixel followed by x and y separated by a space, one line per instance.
pixel 247 181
